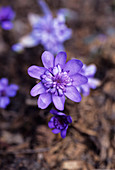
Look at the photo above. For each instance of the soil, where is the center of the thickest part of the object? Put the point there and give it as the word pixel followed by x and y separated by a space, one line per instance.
pixel 26 142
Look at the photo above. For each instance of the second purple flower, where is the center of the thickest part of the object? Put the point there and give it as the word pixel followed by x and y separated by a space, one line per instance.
pixel 58 79
pixel 6 17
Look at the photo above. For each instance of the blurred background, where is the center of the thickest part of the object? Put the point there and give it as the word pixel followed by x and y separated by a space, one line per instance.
pixel 26 142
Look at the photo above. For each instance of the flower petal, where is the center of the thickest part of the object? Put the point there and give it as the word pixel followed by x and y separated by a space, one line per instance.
pixel 4 101
pixel 85 89
pixel 73 66
pixel 93 82
pixel 51 124
pixel 78 79
pixel 69 119
pixel 12 90
pixel 4 81
pixel 54 112
pixel 36 72
pixel 29 41
pixel 37 89
pixel 61 58
pixel 90 70
pixel 47 59
pixel 61 114
pixel 73 94
pixel 63 133
pixel 7 25
pixel 44 100
pixel 44 8
pixel 55 131
pixel 33 19
pixel 17 47
pixel 58 101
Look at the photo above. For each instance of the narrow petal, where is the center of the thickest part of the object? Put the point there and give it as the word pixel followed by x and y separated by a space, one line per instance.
pixel 29 41
pixel 73 66
pixel 36 72
pixel 60 114
pixel 73 94
pixel 69 119
pixel 55 131
pixel 44 8
pixel 4 101
pixel 63 133
pixel 54 112
pixel 48 59
pixel 44 100
pixel 61 58
pixel 79 79
pixel 37 89
pixel 58 101
pixel 17 47
pixel 51 124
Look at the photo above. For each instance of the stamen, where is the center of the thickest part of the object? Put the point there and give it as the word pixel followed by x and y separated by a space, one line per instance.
pixel 56 80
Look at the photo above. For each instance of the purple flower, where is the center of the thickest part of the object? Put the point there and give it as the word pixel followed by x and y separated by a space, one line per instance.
pixel 48 31
pixel 6 91
pixel 6 17
pixel 59 123
pixel 89 72
pixel 58 79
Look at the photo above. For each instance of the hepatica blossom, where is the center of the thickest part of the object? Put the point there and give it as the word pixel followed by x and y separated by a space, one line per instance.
pixel 6 17
pixel 58 79
pixel 6 91
pixel 59 123
pixel 89 72
pixel 46 30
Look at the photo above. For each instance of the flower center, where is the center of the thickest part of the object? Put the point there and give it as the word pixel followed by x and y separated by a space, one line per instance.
pixel 2 93
pixel 56 80
pixel 4 17
pixel 60 122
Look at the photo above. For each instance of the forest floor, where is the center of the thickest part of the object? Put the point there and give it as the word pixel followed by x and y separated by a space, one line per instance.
pixel 26 142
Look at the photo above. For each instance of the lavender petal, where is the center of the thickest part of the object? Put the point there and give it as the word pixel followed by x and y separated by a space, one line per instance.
pixel 47 59
pixel 85 89
pixel 51 124
pixel 44 100
pixel 58 101
pixel 12 90
pixel 7 25
pixel 63 133
pixel 73 66
pixel 61 58
pixel 4 81
pixel 90 70
pixel 54 112
pixel 78 79
pixel 69 119
pixel 73 94
pixel 93 83
pixel 4 101
pixel 55 131
pixel 37 89
pixel 36 72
